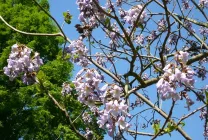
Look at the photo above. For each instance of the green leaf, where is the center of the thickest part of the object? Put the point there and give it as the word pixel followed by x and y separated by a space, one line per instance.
pixel 76 56
pixel 41 76
pixel 107 23
pixel 156 127
pixel 67 17
pixel 138 48
pixel 92 42
pixel 140 25
pixel 206 93
pixel 64 14
pixel 170 127
pixel 67 57
pixel 182 124
pixel 1 124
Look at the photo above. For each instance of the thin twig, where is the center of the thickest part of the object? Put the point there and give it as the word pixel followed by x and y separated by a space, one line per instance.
pixel 166 121
pixel 79 115
pixel 188 115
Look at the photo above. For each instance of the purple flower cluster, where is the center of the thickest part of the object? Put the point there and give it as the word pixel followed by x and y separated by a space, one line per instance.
pixel 139 39
pixel 100 59
pixel 203 31
pixel 87 85
pixel 161 25
pixel 66 89
pixel 118 2
pixel 182 57
pixel 89 13
pixel 174 77
pixel 188 25
pixel 203 113
pixel 114 114
pixel 23 62
pixel 152 36
pixel 205 131
pixel 115 111
pixel 78 52
pixel 185 4
pixel 132 14
pixel 86 8
pixel 113 35
pixel 173 39
pixel 201 72
pixel 89 134
pixel 86 117
pixel 203 3
pixel 189 101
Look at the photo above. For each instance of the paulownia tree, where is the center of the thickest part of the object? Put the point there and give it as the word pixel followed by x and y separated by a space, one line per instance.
pixel 153 53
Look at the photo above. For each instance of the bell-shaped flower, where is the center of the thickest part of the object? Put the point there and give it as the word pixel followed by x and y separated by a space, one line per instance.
pixel 122 123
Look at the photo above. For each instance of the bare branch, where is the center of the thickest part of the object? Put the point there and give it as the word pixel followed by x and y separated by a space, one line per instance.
pixel 67 115
pixel 27 33
pixel 190 114
pixel 162 113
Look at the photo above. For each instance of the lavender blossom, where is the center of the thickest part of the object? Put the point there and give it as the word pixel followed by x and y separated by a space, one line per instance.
pixel 203 3
pixel 173 77
pixel 203 114
pixel 78 53
pixel 182 57
pixel 152 36
pixel 132 14
pixel 161 25
pixel 86 117
pixel 21 62
pixel 114 113
pixel 87 85
pixel 188 25
pixel 173 39
pixel 113 35
pixel 203 31
pixel 139 39
pixel 185 4
pixel 66 89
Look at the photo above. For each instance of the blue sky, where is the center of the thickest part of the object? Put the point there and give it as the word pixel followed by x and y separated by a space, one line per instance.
pixel 194 126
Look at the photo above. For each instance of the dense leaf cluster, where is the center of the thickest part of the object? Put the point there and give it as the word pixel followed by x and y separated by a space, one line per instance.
pixel 26 111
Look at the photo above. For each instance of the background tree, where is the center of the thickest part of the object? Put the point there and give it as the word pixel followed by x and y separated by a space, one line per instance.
pixel 27 111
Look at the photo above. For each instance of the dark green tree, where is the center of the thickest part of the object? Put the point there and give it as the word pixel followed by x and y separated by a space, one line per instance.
pixel 28 112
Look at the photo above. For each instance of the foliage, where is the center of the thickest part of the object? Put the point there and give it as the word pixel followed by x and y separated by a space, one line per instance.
pixel 26 111
pixel 21 15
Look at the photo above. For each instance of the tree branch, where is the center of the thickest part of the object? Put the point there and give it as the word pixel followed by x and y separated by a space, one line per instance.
pixel 63 34
pixel 140 133
pixel 67 115
pixel 27 33
pixel 162 113
pixel 188 115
